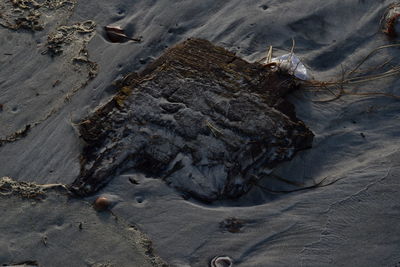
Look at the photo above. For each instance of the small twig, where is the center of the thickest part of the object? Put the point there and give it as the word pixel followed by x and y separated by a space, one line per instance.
pixel 317 185
pixel 368 78
pixel 269 55
pixel 293 46
pixel 375 68
pixel 336 96
pixel 292 50
pixel 375 93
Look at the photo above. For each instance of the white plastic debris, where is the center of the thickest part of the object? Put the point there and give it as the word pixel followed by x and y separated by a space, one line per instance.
pixel 221 261
pixel 292 64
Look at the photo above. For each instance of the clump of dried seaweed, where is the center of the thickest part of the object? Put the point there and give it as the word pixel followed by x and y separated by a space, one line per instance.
pixel 25 190
pixel 32 15
pixel 68 35
pixel 16 135
pixel 71 42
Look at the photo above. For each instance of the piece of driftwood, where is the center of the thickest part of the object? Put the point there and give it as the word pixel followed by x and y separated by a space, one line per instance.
pixel 200 118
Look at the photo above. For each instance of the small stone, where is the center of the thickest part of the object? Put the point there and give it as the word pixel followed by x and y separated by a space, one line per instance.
pixel 102 204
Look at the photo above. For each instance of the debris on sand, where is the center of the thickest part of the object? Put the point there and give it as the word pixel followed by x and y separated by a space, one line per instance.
pixel 26 190
pixel 221 261
pixel 72 35
pixel 8 186
pixel 117 35
pixel 32 15
pixel 67 42
pixel 350 81
pixel 72 40
pixel 232 225
pixel 16 135
pixel 37 217
pixel 390 21
pixel 203 120
pixel 23 264
pixel 293 65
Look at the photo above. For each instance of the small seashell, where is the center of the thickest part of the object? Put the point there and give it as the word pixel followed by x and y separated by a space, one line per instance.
pixel 221 261
pixel 102 203
pixel 117 35
pixel 116 29
pixel 390 21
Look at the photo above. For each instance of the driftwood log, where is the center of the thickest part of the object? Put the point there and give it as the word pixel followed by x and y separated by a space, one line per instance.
pixel 205 121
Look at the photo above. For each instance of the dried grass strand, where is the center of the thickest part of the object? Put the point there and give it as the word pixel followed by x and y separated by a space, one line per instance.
pixel 346 80
pixel 370 54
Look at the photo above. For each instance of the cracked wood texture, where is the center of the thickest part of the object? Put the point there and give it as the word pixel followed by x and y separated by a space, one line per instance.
pixel 205 121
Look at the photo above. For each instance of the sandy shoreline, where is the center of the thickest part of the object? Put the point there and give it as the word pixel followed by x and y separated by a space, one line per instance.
pixel 351 222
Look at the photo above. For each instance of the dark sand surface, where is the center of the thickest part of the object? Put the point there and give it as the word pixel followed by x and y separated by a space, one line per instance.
pixel 46 226
pixel 353 222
